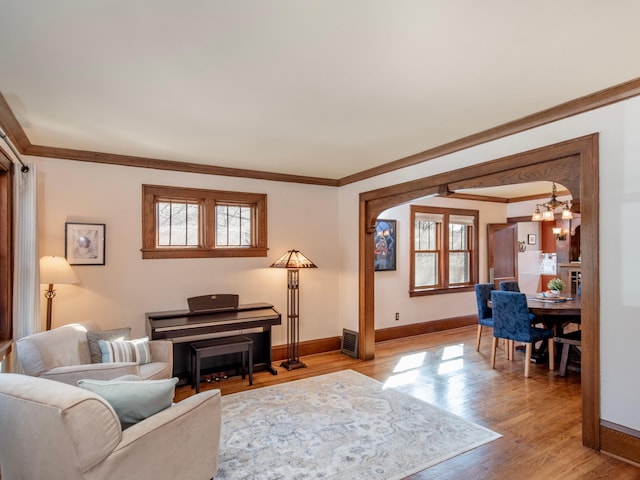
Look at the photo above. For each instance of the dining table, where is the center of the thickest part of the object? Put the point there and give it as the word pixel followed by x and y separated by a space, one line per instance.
pixel 556 307
pixel 558 314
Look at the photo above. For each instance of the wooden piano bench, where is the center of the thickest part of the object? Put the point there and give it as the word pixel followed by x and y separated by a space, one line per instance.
pixel 221 346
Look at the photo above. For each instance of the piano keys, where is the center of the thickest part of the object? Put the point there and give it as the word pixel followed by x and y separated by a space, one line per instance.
pixel 185 326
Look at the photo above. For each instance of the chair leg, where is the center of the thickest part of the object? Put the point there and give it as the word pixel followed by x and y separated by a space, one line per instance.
pixel 527 359
pixel 552 353
pixel 494 346
pixel 478 338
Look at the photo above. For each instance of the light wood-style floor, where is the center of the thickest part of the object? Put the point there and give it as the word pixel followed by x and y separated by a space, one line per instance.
pixel 539 417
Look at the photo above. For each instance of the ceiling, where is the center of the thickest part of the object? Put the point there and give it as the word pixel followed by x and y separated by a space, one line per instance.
pixel 324 89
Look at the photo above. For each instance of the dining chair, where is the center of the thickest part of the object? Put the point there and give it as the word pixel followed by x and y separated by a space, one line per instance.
pixel 510 286
pixel 485 317
pixel 512 321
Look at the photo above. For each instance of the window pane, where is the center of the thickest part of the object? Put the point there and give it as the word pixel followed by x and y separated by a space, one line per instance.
pixel 458 236
pixel 234 226
pixel 459 268
pixel 426 269
pixel 426 234
pixel 177 224
pixel 245 227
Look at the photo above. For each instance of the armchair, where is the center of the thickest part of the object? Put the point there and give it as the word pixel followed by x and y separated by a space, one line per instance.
pixel 63 354
pixel 61 432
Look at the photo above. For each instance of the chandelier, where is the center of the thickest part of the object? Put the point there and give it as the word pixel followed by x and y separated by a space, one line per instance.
pixel 549 207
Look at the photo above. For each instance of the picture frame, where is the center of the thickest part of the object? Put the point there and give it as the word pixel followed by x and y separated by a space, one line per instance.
pixel 531 239
pixel 385 245
pixel 84 243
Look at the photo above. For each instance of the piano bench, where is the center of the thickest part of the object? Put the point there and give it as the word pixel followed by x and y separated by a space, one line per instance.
pixel 220 346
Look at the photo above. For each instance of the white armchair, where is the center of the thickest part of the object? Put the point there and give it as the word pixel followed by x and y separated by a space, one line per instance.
pixel 63 354
pixel 60 432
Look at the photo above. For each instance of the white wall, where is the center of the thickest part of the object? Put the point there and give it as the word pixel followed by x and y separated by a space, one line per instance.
pixel 119 293
pixel 323 223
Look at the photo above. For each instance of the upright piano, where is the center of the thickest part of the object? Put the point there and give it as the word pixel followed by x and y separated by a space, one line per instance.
pixel 212 316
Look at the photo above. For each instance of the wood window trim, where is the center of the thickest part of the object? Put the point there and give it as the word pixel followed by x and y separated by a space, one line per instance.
pixel 207 198
pixel 443 263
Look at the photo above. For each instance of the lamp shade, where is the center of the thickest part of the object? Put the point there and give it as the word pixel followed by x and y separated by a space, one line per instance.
pixel 56 270
pixel 293 259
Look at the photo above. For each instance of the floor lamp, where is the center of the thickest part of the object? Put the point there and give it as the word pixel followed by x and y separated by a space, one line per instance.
pixel 55 270
pixel 293 260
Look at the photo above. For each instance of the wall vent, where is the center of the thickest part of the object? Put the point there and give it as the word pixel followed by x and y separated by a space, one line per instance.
pixel 349 343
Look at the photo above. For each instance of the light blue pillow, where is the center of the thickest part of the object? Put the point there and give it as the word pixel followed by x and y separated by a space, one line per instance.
pixel 134 400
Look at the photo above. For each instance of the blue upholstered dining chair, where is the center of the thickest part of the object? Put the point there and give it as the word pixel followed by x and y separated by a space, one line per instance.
pixel 509 286
pixel 485 317
pixel 512 321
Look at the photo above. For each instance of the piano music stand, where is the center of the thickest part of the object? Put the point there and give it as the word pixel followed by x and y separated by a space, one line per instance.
pixel 292 261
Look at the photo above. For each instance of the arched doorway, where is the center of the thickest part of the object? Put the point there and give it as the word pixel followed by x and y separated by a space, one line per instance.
pixel 574 164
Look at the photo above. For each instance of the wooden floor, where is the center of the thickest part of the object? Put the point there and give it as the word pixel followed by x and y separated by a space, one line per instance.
pixel 539 417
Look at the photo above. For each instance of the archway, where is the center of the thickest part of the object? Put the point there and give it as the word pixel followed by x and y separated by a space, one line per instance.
pixel 574 164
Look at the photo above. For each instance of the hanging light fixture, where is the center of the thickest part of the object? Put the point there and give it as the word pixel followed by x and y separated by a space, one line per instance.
pixel 548 215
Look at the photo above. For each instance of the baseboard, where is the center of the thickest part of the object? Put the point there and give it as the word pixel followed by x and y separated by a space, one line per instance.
pixel 330 344
pixel 620 442
pixel 310 347
pixel 425 327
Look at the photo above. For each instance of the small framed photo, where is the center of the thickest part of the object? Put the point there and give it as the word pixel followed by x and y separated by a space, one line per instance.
pixel 84 243
pixel 531 239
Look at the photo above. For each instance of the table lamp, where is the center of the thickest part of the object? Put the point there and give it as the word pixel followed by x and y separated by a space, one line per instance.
pixel 55 270
pixel 293 260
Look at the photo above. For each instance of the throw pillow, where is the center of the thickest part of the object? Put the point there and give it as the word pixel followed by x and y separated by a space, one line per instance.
pixel 115 334
pixel 125 351
pixel 133 400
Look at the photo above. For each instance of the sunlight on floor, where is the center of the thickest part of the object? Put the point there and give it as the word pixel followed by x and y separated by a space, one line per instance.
pixel 409 362
pixel 451 359
pixel 407 370
pixel 404 378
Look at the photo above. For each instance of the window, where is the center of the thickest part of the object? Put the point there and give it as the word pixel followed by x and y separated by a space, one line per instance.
pixel 197 223
pixel 444 254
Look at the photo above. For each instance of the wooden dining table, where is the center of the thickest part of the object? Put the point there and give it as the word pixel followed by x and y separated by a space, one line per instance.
pixel 549 306
pixel 557 315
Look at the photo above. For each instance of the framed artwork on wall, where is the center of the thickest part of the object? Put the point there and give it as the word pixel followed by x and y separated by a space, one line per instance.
pixel 531 239
pixel 385 245
pixel 84 243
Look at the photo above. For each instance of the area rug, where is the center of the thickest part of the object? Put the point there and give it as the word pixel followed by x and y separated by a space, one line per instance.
pixel 342 425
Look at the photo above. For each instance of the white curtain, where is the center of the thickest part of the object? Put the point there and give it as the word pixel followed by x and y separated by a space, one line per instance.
pixel 26 277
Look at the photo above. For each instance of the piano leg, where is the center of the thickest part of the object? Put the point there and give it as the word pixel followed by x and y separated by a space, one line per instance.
pixel 267 345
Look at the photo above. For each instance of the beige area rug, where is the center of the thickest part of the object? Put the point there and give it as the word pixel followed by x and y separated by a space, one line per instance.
pixel 343 425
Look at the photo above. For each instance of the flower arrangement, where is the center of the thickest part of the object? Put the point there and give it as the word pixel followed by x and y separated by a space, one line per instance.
pixel 555 284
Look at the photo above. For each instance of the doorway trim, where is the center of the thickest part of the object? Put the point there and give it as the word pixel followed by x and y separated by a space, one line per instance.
pixel 573 163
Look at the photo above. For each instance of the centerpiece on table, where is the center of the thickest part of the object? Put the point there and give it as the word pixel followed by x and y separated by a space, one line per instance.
pixel 555 286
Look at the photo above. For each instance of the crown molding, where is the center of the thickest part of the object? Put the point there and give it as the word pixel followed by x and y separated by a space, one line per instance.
pixel 608 96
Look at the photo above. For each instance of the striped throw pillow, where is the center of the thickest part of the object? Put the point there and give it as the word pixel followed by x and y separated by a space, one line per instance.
pixel 125 351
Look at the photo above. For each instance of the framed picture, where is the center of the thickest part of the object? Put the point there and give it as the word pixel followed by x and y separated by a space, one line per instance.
pixel 531 239
pixel 84 243
pixel 385 245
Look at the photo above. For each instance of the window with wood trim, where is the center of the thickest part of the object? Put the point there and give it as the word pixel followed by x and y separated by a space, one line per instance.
pixel 444 252
pixel 197 223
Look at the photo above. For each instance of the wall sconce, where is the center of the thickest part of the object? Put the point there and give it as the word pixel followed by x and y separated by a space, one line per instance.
pixel 559 234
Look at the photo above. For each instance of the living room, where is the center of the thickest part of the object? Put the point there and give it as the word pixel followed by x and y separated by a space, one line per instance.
pixel 324 222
